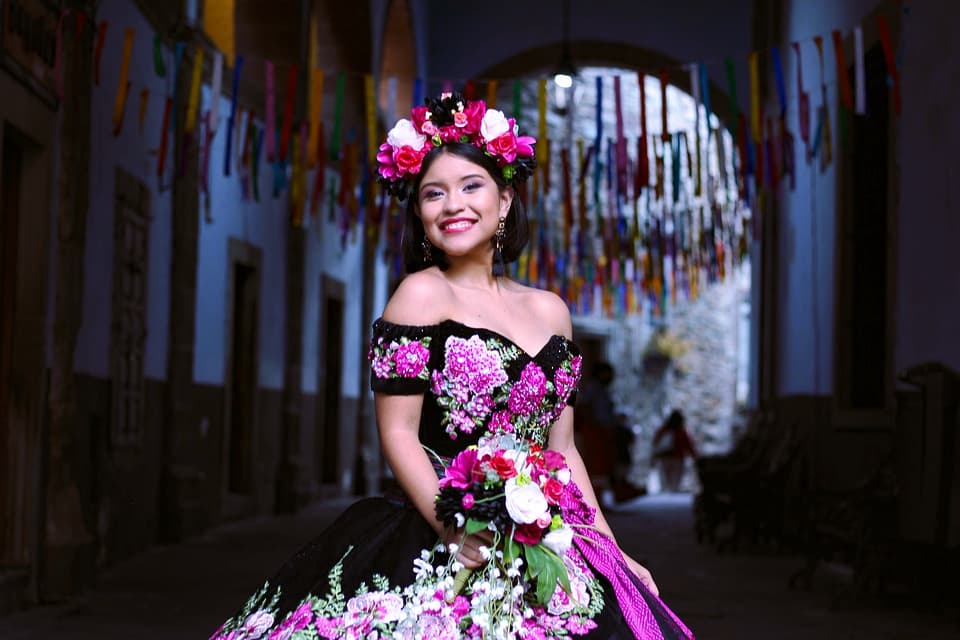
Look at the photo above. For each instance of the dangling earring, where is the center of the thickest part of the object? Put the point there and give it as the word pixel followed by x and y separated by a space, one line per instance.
pixel 427 253
pixel 499 268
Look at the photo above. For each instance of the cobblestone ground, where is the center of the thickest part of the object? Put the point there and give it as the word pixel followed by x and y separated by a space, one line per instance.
pixel 185 591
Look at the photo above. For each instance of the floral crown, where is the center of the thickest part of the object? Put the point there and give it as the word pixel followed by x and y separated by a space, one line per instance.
pixel 452 118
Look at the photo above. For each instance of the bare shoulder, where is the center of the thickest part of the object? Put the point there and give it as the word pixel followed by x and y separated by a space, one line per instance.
pixel 422 298
pixel 549 309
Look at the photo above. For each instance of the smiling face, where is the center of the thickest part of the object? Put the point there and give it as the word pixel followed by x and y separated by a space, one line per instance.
pixel 460 204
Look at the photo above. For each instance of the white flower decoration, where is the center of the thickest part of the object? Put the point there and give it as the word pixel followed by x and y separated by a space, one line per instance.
pixel 494 124
pixel 559 540
pixel 405 134
pixel 525 503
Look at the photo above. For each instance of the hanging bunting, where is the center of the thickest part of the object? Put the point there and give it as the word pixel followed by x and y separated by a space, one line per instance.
pixel 315 148
pixel 165 127
pixel 319 177
pixel 194 97
pixel 159 68
pixel 843 79
pixel 541 154
pixel 665 133
pixel 491 94
pixel 695 92
pixel 803 101
pixel 417 92
pixel 823 112
pixel 755 125
pixel 392 99
pixel 337 115
pixel 123 87
pixel 98 50
pixel 258 135
pixel 216 88
pixel 144 102
pixel 287 130
pixel 270 114
pixel 598 163
pixel 859 72
pixel 893 76
pixel 621 143
pixel 643 159
pixel 233 113
pixel 778 77
pixel 371 113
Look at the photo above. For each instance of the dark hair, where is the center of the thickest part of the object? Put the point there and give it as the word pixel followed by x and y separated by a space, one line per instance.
pixel 675 420
pixel 517 227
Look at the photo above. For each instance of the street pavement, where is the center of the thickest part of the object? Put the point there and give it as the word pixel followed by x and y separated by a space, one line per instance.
pixel 186 590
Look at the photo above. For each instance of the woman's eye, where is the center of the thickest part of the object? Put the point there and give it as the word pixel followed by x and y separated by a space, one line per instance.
pixel 430 195
pixel 473 186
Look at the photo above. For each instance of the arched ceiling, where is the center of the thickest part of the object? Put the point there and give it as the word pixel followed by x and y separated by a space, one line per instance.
pixel 512 38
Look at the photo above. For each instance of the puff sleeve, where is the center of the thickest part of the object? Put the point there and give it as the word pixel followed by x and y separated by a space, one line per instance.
pixel 400 358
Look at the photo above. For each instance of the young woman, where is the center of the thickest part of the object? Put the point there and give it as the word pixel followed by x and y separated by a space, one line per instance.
pixel 461 355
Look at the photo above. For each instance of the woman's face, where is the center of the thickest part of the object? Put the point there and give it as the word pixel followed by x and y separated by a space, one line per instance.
pixel 460 205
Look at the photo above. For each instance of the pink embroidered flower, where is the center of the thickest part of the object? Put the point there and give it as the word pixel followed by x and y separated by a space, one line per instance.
pixel 382 365
pixel 299 619
pixel 500 423
pixel 564 384
pixel 532 630
pixel 480 406
pixel 528 392
pixel 411 358
pixel 580 625
pixel 256 624
pixel 576 366
pixel 376 606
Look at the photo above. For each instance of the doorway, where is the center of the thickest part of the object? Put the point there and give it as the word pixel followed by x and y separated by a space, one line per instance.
pixel 13 512
pixel 330 378
pixel 241 377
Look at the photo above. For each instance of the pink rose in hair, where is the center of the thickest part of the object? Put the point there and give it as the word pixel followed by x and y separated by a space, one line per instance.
pixel 474 112
pixel 419 116
pixel 504 147
pixel 408 160
pixel 460 119
pixel 430 129
pixel 388 169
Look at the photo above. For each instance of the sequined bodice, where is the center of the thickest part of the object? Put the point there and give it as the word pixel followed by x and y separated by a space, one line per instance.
pixel 474 380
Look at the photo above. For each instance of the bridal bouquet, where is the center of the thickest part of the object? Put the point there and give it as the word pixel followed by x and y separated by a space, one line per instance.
pixel 514 489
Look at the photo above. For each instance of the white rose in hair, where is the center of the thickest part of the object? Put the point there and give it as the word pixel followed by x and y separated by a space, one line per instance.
pixel 559 540
pixel 404 134
pixel 525 503
pixel 494 124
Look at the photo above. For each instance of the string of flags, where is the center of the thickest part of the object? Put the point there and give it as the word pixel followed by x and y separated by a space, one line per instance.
pixel 634 229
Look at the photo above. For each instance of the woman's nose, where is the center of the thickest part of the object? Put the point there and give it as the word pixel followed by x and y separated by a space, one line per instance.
pixel 453 201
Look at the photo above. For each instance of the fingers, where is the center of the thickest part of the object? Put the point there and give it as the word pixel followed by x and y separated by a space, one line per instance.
pixel 474 552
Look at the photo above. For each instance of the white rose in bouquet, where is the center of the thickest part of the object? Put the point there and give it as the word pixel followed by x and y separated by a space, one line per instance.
pixel 559 540
pixel 525 502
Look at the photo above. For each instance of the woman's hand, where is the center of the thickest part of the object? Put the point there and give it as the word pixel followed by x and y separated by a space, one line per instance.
pixel 469 554
pixel 642 573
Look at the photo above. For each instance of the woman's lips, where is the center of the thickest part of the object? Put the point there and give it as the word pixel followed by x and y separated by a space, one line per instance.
pixel 457 225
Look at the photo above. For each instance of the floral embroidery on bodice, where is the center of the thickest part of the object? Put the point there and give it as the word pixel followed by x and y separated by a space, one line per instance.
pixel 475 381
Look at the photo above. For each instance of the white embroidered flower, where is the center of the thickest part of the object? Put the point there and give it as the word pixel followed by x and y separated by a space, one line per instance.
pixel 404 134
pixel 559 540
pixel 494 124
pixel 257 624
pixel 525 503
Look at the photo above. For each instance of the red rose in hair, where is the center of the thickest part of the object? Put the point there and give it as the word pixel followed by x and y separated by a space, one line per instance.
pixel 419 116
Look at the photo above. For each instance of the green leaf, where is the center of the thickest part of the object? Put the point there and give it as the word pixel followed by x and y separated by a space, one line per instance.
pixel 559 567
pixel 546 583
pixel 511 550
pixel 536 559
pixel 474 526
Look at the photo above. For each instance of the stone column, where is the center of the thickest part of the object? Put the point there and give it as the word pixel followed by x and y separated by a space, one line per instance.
pixel 181 509
pixel 69 545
